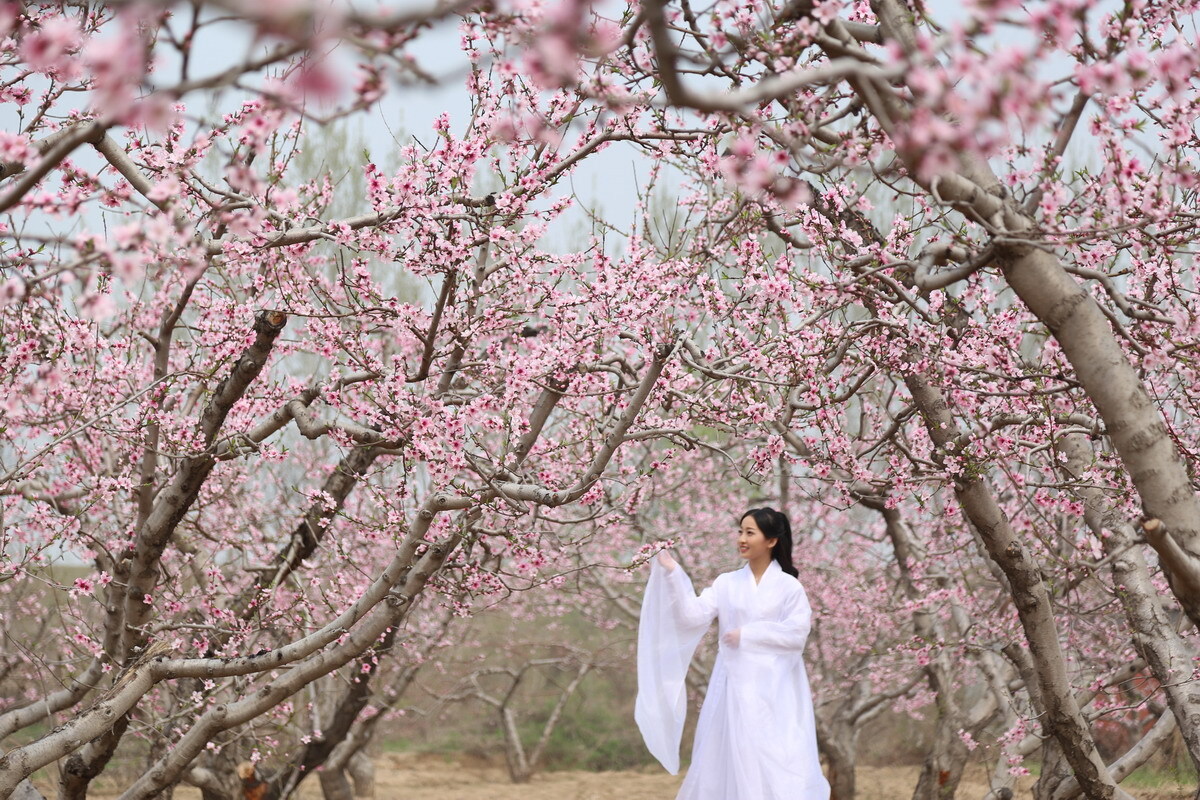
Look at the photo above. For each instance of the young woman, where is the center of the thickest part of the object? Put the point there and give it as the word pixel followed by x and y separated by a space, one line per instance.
pixel 756 739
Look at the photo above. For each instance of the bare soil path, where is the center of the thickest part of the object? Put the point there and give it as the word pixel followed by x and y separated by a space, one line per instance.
pixel 428 777
pixel 433 777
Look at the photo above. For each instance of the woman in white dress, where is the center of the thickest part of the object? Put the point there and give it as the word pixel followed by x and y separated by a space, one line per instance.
pixel 756 738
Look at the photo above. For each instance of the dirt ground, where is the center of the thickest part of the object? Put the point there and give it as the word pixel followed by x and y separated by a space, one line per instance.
pixel 430 777
pixel 414 777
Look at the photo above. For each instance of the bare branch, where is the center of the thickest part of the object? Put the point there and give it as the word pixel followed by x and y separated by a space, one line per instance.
pixel 54 155
pixel 772 88
pixel 141 572
pixel 940 254
pixel 75 691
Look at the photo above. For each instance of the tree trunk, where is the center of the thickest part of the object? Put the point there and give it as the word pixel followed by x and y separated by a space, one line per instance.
pixel 361 770
pixel 350 760
pixel 26 791
pixel 535 756
pixel 942 769
pixel 1063 719
pixel 1136 756
pixel 351 704
pixel 1133 422
pixel 335 785
pixel 89 761
pixel 839 744
pixel 1154 636
pixel 1055 772
pixel 514 751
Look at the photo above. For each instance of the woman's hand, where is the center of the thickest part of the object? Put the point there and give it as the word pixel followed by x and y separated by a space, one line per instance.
pixel 665 561
pixel 733 638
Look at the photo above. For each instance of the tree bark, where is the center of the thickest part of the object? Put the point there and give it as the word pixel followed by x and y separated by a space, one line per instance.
pixel 1063 718
pixel 88 762
pixel 1055 771
pixel 1136 756
pixel 361 770
pixel 335 785
pixel 26 791
pixel 838 742
pixel 1137 428
pixel 1154 636
pixel 213 786
pixel 349 763
pixel 1132 421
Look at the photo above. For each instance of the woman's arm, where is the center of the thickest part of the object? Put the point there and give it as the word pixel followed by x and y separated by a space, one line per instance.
pixel 689 610
pixel 787 635
pixel 672 621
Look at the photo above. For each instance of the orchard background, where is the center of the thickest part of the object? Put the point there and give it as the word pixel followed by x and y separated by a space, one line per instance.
pixel 308 447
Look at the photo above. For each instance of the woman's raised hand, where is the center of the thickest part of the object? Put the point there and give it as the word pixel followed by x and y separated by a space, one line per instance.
pixel 665 561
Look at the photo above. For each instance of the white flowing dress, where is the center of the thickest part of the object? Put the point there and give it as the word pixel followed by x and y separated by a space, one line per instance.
pixel 756 738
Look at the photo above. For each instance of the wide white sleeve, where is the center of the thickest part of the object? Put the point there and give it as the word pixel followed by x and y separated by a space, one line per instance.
pixel 673 620
pixel 787 635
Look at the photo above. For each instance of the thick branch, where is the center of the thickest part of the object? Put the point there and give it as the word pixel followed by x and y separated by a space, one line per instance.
pixel 1063 717
pixel 537 421
pixel 153 667
pixel 312 428
pixel 223 717
pixel 51 158
pixel 141 575
pixel 353 701
pixel 307 535
pixel 543 496
pixel 1169 656
pixel 767 89
pixel 239 443
pixel 1133 758
pixel 1131 418
pixel 103 715
pixel 535 756
pixel 20 718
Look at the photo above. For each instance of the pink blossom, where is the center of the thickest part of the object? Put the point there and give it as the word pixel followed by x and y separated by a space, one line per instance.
pixel 49 47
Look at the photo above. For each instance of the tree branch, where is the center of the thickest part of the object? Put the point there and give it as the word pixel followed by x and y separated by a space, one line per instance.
pixel 54 155
pixel 141 572
pixel 1063 717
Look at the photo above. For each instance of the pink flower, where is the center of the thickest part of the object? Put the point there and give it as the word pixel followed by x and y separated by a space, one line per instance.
pixel 48 48
pixel 14 147
pixel 115 65
pixel 165 189
pixel 11 291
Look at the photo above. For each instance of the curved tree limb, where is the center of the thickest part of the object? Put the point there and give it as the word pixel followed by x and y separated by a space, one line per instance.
pixel 1063 717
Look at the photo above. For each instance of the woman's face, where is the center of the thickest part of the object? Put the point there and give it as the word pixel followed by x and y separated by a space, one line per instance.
pixel 752 545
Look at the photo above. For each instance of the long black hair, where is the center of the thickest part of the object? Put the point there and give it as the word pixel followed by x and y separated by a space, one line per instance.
pixel 774 525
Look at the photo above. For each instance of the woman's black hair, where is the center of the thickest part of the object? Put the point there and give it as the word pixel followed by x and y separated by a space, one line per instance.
pixel 774 525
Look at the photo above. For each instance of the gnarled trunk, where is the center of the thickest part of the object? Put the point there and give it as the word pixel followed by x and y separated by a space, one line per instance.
pixel 942 769
pixel 838 743
pixel 1063 718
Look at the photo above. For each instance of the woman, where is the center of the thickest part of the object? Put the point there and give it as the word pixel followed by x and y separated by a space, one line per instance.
pixel 756 739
